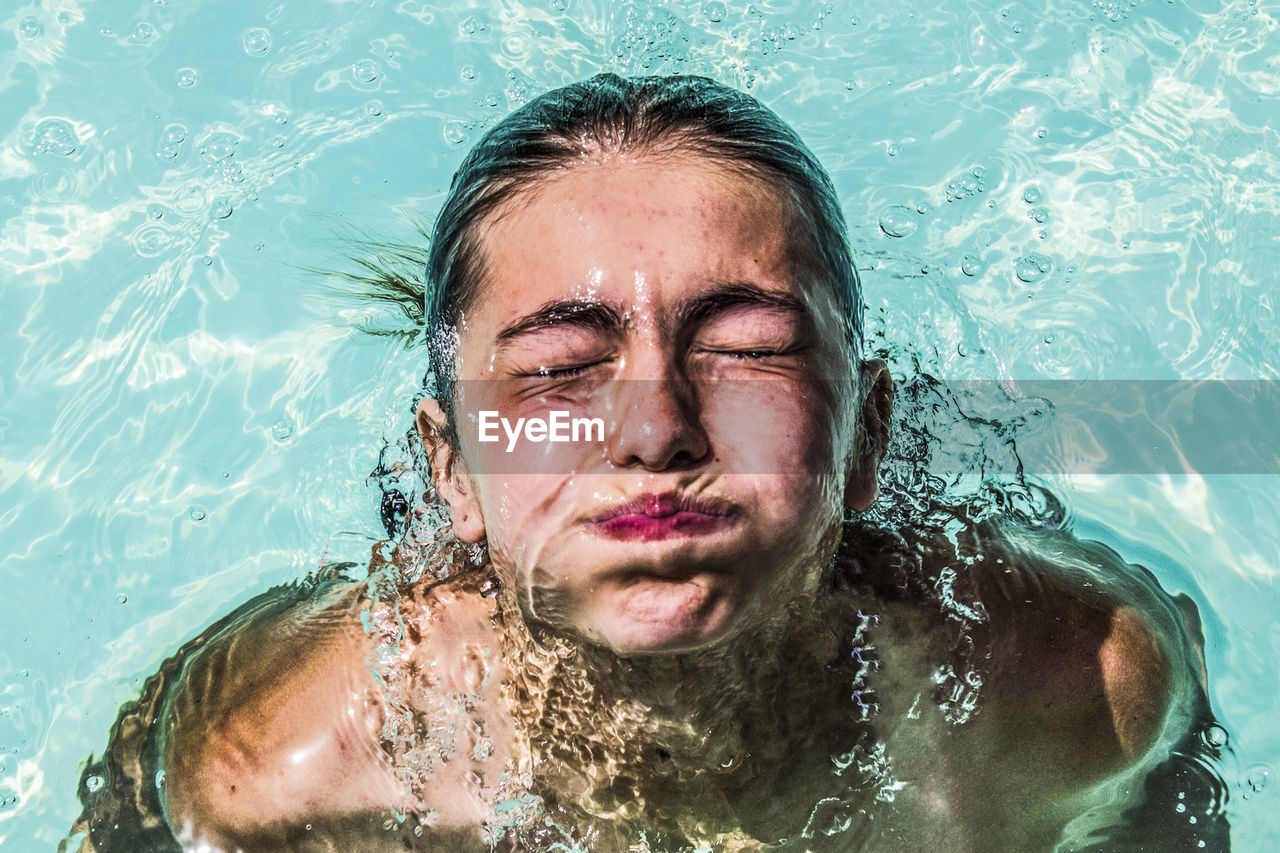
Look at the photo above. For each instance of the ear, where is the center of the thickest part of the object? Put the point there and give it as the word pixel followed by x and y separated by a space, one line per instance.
pixel 875 412
pixel 449 473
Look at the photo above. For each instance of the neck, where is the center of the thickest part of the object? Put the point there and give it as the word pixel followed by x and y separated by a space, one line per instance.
pixel 625 735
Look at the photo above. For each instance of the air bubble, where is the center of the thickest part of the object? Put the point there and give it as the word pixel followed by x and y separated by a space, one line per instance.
pixel 455 133
pixel 155 211
pixel 1031 268
pixel 1031 195
pixel 1048 339
pixel 1214 736
pixel 970 265
pixel 55 136
pixel 282 429
pixel 898 221
pixel 122 599
pixel 922 208
pixel 373 108
pixel 1041 133
pixel 467 72
pixel 175 133
pixel 1124 244
pixel 472 25
pixel 207 260
pixel 29 28
pixel 256 41
pixel 892 149
pixel 197 513
pixel 1039 214
pixel 366 71
pixel 143 33
pixel 1258 779
pixel 716 11
pixel 218 147
pixel 187 77
pixel 277 141
pixel 222 209
pixel 559 5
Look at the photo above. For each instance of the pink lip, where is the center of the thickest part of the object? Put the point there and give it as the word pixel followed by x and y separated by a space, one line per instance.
pixel 662 516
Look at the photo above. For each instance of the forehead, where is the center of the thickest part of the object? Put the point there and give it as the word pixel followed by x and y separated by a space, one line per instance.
pixel 644 228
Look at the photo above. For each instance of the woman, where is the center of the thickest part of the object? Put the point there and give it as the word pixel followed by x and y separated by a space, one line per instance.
pixel 674 639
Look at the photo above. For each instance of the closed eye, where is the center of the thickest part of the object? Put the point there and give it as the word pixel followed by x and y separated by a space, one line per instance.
pixel 545 372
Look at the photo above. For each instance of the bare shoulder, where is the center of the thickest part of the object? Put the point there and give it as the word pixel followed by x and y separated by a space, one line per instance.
pixel 1091 662
pixel 267 715
pixel 276 730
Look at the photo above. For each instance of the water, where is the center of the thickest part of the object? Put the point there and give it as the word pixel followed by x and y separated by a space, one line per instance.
pixel 1071 191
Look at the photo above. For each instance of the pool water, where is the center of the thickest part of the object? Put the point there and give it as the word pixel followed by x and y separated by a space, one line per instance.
pixel 1066 190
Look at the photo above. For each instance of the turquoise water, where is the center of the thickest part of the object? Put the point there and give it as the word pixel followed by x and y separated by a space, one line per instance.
pixel 1060 190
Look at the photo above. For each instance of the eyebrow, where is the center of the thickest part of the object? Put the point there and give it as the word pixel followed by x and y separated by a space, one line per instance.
pixel 731 295
pixel 591 315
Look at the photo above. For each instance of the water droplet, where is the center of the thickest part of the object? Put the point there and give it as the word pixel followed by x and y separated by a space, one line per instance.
pixel 143 33
pixel 256 41
pixel 716 11
pixel 187 77
pixel 122 599
pixel 898 221
pixel 282 429
pixel 366 70
pixel 222 209
pixel 94 783
pixel 29 28
pixel 197 513
pixel 467 72
pixel 1031 195
pixel 971 265
pixel 55 136
pixel 373 108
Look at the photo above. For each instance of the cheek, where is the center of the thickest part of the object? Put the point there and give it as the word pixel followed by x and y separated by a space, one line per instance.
pixel 769 427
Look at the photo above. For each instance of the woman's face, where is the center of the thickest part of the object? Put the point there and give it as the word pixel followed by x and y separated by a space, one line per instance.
pixel 666 298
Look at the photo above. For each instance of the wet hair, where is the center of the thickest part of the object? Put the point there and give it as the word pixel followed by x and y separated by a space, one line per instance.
pixel 641 115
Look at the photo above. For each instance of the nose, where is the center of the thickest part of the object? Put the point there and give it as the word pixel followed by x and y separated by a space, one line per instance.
pixel 658 423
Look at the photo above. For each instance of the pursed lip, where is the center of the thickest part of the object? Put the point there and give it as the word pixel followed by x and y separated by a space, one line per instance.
pixel 662 516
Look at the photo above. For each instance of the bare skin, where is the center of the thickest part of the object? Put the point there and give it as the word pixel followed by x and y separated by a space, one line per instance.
pixel 664 643
pixel 1086 681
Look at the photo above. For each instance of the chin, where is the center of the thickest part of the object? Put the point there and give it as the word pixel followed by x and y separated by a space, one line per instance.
pixel 665 617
